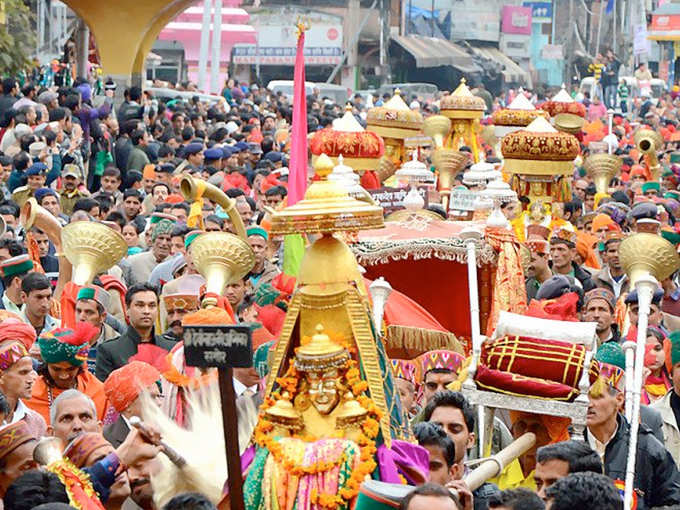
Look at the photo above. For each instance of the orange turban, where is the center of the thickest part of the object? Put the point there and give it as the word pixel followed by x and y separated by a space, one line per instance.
pixel 600 221
pixel 149 171
pixel 124 385
pixel 557 426
pixel 14 329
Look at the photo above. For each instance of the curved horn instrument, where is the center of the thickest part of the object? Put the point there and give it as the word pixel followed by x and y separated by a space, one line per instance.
pixel 192 189
pixel 34 215
pixel 649 142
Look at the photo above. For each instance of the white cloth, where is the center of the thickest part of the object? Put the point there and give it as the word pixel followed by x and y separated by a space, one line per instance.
pixel 240 388
pixel 598 446
pixel 19 413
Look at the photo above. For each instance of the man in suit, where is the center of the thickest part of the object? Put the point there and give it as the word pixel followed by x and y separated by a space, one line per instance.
pixel 139 341
pixel 123 389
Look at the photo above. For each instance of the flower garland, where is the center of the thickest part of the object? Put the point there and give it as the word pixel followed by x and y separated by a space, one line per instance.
pixel 369 429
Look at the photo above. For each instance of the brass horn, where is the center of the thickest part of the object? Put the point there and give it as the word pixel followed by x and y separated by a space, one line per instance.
pixel 34 215
pixel 642 254
pixel 602 167
pixel 91 248
pixel 193 189
pixel 649 142
pixel 221 258
pixel 448 163
pixel 437 127
pixel 48 450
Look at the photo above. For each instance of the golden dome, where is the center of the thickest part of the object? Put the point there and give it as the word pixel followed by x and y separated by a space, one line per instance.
pixel 329 266
pixel 462 104
pixel 326 207
pixel 284 414
pixel 394 119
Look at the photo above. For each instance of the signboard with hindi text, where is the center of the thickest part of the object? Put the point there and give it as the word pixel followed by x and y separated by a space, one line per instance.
pixel 462 200
pixel 392 199
pixel 225 346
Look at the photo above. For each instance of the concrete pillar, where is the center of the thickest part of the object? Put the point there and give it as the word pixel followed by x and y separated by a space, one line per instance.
pixel 352 25
pixel 82 48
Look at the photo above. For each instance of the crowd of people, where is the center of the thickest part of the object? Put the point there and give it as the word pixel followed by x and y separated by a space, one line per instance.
pixel 76 362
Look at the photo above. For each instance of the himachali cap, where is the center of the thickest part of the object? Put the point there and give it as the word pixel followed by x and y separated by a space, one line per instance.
pixel 672 194
pixel 406 369
pixel 191 237
pixel 13 436
pixel 95 293
pixel 441 359
pixel 16 266
pixel 540 246
pixel 257 231
pixel 181 301
pixel 125 384
pixel 600 293
pixel 670 234
pixel 564 236
pixel 613 236
pixel 675 157
pixel 611 353
pixel 538 231
pixel 80 449
pixel 651 186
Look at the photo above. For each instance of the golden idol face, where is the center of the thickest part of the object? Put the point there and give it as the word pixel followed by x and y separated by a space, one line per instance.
pixel 323 390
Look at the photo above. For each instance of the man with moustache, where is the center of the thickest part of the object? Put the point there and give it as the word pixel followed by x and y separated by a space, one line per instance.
pixel 91 305
pixel 17 376
pixel 177 306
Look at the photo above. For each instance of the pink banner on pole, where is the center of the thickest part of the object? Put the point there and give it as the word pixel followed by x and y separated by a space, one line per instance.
pixel 297 177
pixel 516 20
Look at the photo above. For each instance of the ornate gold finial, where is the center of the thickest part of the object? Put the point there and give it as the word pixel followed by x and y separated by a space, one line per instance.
pixel 397 92
pixel 463 81
pixel 321 353
pixel 348 106
pixel 323 166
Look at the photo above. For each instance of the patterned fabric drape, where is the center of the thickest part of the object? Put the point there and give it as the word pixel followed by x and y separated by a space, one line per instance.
pixel 509 292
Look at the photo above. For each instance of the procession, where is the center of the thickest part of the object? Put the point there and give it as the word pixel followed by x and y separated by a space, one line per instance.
pixel 234 288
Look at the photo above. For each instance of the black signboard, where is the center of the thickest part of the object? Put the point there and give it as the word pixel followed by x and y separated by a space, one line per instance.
pixel 218 346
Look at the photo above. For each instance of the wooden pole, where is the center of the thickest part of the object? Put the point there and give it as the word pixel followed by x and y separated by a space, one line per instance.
pixel 230 427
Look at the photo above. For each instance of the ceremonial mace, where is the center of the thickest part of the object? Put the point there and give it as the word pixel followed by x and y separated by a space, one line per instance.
pixel 647 259
pixel 471 237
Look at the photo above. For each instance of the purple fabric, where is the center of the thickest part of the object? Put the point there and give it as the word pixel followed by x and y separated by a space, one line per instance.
pixel 247 458
pixel 408 460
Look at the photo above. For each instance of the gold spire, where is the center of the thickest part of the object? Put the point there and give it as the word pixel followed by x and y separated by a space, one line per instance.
pixel 321 353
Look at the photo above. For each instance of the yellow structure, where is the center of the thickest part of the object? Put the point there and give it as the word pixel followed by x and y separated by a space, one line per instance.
pixel 464 109
pixel 125 31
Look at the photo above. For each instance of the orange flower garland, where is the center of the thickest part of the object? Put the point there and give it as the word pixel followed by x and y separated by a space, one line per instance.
pixel 369 430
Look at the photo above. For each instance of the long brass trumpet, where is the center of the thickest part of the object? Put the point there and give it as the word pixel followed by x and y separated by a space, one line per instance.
pixel 33 215
pixel 193 189
pixel 649 142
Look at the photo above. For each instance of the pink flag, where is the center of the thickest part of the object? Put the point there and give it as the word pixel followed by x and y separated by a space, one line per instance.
pixel 297 177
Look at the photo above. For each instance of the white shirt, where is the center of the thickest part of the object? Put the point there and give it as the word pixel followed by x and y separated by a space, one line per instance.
pixel 598 446
pixel 240 388
pixel 616 286
pixel 19 413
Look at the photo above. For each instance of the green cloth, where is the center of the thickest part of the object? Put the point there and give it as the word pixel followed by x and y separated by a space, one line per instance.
pixel 261 358
pixel 17 267
pixel 675 346
pixel 191 237
pixel 612 354
pixel 675 157
pixel 293 252
pixel 102 160
pixel 671 236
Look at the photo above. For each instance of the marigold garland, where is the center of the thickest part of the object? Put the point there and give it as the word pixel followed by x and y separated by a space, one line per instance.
pixel 368 431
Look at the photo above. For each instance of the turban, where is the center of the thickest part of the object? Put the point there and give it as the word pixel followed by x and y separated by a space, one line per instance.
pixel 124 385
pixel 164 226
pixel 82 447
pixel 13 436
pixel 556 426
pixel 14 329
pixel 600 221
pixel 64 344
pixel 11 352
pixel 441 359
